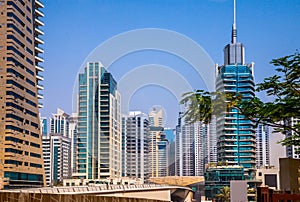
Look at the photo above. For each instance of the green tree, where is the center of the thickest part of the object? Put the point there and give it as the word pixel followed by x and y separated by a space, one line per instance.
pixel 224 195
pixel 283 88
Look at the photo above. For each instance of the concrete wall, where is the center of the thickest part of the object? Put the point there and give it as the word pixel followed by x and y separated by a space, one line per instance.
pixel 37 197
pixel 164 195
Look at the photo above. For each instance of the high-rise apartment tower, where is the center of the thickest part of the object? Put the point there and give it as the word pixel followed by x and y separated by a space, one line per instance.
pixel 236 135
pixel 98 143
pixel 21 160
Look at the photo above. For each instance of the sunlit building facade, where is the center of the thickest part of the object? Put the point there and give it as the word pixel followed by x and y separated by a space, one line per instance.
pixel 21 160
pixel 57 155
pixel 236 135
pixel 158 144
pixel 98 143
pixel 135 147
pixel 263 145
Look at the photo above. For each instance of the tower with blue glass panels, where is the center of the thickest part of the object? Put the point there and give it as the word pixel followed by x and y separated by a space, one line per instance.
pixel 98 144
pixel 236 135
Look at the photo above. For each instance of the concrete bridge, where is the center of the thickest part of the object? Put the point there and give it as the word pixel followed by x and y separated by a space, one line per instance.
pixel 106 193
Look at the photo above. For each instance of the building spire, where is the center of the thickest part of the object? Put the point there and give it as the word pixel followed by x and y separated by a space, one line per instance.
pixel 234 31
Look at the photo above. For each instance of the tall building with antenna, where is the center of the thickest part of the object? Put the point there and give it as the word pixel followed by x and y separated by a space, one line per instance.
pixel 236 135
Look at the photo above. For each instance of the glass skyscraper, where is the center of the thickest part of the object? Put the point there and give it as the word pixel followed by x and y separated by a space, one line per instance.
pixel 236 135
pixel 98 145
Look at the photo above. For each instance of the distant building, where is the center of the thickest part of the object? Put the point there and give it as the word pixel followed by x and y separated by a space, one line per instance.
pixel 191 148
pixel 171 135
pixel 135 146
pixel 124 146
pixel 98 142
pixel 292 151
pixel 185 150
pixel 59 123
pixel 44 126
pixel 158 144
pixel 57 154
pixel 156 117
pixel 73 121
pixel 263 145
pixel 201 135
pixel 217 177
pixel 47 155
pixel 212 141
pixel 58 148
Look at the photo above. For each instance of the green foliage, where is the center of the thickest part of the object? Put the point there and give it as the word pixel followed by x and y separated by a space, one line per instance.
pixel 199 106
pixel 283 88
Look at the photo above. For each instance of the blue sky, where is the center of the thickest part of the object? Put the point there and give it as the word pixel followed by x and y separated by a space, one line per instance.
pixel 73 28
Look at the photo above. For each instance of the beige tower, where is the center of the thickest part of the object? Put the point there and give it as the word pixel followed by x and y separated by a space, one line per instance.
pixel 157 143
pixel 21 160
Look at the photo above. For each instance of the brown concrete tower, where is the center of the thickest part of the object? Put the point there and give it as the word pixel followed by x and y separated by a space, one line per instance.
pixel 21 158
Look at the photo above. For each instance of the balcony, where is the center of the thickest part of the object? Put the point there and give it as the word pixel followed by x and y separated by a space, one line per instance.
pixel 39 58
pixel 40 96
pixel 38 4
pixel 39 77
pixel 39 68
pixel 40 105
pixel 38 40
pixel 38 49
pixel 40 86
pixel 38 22
pixel 39 31
pixel 39 13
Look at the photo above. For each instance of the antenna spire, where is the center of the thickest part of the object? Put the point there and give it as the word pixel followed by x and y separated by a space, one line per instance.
pixel 234 31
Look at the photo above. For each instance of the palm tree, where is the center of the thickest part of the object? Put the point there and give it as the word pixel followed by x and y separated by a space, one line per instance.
pixel 224 195
pixel 198 105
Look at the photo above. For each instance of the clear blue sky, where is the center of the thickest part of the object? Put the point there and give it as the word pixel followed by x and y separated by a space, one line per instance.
pixel 73 28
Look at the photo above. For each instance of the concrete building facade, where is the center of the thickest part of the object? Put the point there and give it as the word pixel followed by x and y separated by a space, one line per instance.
pixel 158 144
pixel 57 155
pixel 292 151
pixel 21 160
pixel 192 148
pixel 135 147
pixel 263 145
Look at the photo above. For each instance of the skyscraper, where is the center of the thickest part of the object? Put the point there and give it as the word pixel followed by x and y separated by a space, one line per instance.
pixel 212 141
pixel 236 135
pixel 157 144
pixel 263 145
pixel 73 120
pixel 57 148
pixel 57 155
pixel 98 143
pixel 59 123
pixel 191 149
pixel 170 136
pixel 21 162
pixel 292 151
pixel 135 148
pixel 201 134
